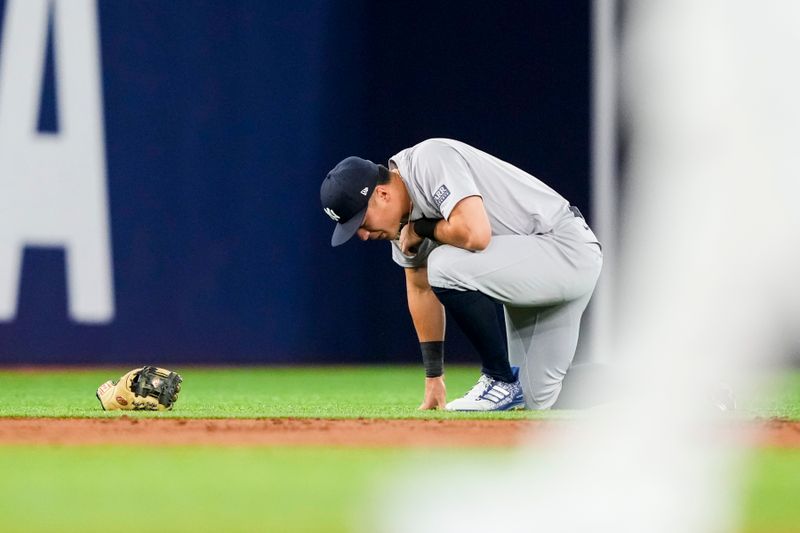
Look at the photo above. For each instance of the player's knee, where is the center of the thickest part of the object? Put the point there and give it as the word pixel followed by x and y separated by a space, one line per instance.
pixel 542 397
pixel 440 273
pixel 449 267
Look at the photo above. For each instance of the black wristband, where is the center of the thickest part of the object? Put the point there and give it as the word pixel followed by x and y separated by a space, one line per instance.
pixel 433 358
pixel 424 227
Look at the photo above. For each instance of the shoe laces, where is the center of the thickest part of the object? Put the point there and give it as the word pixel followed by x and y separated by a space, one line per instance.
pixel 484 384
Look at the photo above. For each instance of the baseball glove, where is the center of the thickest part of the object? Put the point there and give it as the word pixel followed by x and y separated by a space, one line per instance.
pixel 142 389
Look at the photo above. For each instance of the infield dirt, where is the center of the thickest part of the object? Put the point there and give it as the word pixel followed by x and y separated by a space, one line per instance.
pixel 326 432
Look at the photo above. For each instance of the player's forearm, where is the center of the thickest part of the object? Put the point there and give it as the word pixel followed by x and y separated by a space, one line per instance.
pixel 462 235
pixel 427 313
pixel 428 317
pixel 467 226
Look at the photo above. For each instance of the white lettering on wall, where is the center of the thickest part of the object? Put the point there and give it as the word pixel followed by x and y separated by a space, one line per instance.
pixel 53 186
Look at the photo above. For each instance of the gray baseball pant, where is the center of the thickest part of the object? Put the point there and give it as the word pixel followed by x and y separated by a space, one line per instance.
pixel 544 282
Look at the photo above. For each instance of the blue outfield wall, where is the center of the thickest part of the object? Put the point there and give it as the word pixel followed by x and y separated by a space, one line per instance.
pixel 219 121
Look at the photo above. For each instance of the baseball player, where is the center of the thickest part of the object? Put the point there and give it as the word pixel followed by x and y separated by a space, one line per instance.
pixel 471 230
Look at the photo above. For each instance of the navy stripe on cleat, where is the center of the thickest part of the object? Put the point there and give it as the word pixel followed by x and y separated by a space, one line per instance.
pixel 490 395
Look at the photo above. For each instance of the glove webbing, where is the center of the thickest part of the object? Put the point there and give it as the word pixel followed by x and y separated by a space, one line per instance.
pixel 145 384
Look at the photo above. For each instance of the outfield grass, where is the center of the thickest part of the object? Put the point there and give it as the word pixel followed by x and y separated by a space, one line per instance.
pixel 197 489
pixel 772 492
pixel 192 489
pixel 330 392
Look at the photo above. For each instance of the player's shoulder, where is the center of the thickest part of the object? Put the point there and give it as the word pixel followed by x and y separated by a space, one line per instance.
pixel 433 148
pixel 414 162
pixel 436 143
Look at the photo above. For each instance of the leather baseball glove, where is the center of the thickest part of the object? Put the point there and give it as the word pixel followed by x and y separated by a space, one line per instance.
pixel 142 389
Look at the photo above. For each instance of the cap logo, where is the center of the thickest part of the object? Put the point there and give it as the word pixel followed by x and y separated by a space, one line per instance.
pixel 365 190
pixel 330 213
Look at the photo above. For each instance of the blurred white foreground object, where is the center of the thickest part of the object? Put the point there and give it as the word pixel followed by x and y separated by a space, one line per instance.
pixel 706 288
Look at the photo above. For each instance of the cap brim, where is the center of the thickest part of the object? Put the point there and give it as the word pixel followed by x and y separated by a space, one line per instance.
pixel 344 232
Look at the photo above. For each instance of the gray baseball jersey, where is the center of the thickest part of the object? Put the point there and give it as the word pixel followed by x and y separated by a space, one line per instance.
pixel 439 173
pixel 542 262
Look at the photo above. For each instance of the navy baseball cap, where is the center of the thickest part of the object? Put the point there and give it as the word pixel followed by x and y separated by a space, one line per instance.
pixel 345 194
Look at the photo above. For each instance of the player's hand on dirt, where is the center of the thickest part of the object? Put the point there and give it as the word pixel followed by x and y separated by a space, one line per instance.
pixel 409 240
pixel 435 394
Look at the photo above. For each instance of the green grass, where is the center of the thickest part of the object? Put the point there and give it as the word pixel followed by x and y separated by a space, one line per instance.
pixel 772 492
pixel 328 392
pixel 198 489
pixel 183 489
pixel 782 401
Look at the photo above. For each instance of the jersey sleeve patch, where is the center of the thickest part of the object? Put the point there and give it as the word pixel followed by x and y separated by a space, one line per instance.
pixel 441 195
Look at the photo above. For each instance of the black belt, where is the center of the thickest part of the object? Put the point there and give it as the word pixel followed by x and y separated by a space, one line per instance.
pixel 576 211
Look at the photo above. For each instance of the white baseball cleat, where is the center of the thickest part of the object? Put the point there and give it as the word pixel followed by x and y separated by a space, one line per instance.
pixel 490 395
